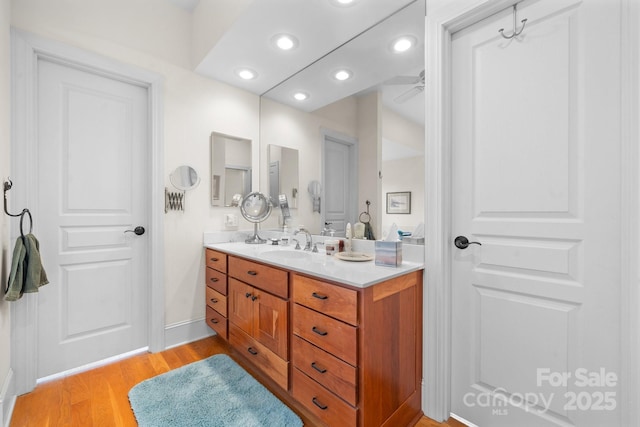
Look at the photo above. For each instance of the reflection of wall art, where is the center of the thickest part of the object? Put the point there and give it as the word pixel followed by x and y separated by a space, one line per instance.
pixel 399 203
pixel 215 187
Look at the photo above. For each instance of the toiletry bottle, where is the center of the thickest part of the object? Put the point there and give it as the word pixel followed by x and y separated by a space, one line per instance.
pixel 284 239
pixel 331 246
pixel 347 235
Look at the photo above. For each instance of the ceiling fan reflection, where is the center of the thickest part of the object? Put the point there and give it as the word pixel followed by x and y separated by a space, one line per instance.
pixel 408 80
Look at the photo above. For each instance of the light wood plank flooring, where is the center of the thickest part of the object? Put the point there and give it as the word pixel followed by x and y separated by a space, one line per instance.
pixel 99 397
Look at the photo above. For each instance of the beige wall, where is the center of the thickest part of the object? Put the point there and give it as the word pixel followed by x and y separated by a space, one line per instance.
pixel 406 174
pixel 154 35
pixel 5 122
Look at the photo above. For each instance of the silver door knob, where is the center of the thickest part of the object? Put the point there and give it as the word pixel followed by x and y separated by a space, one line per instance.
pixel 462 242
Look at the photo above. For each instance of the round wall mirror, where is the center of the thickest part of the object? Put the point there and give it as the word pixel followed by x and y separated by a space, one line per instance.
pixel 255 208
pixel 184 178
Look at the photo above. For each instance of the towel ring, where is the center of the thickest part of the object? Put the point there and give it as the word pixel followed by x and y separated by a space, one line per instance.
pixel 26 211
pixel 365 213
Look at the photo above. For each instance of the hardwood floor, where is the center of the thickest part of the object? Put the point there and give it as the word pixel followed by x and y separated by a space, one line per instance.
pixel 99 397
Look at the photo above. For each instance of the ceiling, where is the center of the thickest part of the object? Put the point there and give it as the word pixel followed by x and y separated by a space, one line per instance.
pixel 323 28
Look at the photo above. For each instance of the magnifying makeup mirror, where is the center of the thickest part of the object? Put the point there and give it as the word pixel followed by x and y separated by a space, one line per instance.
pixel 255 208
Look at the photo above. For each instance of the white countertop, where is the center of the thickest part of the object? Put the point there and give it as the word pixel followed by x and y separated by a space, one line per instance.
pixel 358 274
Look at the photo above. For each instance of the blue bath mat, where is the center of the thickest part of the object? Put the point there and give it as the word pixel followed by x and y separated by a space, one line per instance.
pixel 214 392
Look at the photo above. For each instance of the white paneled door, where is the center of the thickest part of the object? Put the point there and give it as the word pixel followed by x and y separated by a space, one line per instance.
pixel 93 186
pixel 536 181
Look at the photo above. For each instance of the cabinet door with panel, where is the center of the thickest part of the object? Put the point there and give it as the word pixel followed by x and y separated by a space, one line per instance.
pixel 260 315
pixel 241 305
pixel 271 322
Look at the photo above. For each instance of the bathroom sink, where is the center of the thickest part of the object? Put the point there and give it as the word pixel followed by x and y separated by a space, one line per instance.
pixel 285 255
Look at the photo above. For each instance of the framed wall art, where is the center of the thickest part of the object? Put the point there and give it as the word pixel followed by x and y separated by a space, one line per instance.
pixel 399 202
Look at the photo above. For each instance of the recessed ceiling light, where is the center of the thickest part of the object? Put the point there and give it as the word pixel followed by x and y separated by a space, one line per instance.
pixel 246 73
pixel 343 2
pixel 403 44
pixel 342 75
pixel 285 41
pixel 300 96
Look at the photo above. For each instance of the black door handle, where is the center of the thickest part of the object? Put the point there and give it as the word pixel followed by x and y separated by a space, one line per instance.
pixel 462 242
pixel 139 230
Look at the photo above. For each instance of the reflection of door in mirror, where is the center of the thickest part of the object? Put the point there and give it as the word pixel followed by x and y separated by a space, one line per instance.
pixel 283 174
pixel 230 168
pixel 237 181
pixel 274 181
pixel 339 182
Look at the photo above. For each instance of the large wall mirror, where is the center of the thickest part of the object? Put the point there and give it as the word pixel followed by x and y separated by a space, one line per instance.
pixel 380 107
pixel 230 169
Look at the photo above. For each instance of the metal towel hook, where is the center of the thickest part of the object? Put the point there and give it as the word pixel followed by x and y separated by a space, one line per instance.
pixel 7 186
pixel 515 32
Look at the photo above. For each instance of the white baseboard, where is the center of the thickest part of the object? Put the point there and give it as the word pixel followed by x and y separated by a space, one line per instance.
pixel 185 332
pixel 7 399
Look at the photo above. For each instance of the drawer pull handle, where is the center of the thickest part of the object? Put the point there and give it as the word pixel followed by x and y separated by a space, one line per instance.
pixel 252 351
pixel 318 404
pixel 319 296
pixel 314 366
pixel 252 273
pixel 214 279
pixel 247 295
pixel 214 259
pixel 214 321
pixel 214 300
pixel 319 332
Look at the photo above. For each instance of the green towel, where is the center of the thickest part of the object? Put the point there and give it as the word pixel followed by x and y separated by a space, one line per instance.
pixel 368 231
pixel 27 273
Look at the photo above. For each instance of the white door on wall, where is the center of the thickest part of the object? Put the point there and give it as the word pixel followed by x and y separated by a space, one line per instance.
pixel 536 181
pixel 93 186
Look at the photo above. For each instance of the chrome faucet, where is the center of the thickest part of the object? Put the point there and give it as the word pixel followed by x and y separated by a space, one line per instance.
pixel 327 229
pixel 307 236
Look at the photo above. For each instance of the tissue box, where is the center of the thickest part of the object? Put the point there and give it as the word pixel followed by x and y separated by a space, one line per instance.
pixel 388 254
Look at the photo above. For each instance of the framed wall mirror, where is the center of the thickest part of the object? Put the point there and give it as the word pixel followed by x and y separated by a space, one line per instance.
pixel 231 169
pixel 283 174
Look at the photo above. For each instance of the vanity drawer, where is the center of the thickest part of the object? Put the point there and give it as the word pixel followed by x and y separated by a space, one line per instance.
pixel 332 300
pixel 266 360
pixel 270 279
pixel 217 301
pixel 216 280
pixel 217 260
pixel 336 375
pixel 217 322
pixel 334 336
pixel 321 402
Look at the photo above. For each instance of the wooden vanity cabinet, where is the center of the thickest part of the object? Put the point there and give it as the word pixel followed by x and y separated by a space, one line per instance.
pixel 216 291
pixel 356 353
